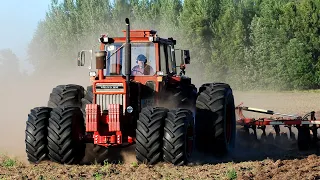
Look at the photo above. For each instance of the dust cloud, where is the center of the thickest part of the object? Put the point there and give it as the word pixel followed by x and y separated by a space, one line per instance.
pixel 21 93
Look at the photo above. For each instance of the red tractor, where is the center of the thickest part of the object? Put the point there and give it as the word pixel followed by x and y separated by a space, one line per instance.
pixel 148 104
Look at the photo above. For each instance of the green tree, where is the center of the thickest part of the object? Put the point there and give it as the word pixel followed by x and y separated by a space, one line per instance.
pixel 228 45
pixel 307 32
pixel 196 20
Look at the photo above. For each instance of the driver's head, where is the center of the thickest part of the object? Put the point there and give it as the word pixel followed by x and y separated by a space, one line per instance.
pixel 141 60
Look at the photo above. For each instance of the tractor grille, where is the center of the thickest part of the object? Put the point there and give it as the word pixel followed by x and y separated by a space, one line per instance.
pixel 105 99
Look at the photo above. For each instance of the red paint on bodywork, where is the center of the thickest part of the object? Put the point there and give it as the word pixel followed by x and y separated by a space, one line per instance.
pixel 92 117
pixel 114 117
pixel 140 33
pixel 109 135
pixel 107 140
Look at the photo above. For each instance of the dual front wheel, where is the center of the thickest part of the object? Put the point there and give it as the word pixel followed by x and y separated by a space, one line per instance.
pixel 164 135
pixel 54 132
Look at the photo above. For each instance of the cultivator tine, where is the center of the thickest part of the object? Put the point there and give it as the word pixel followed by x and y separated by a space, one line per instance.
pixel 264 134
pixel 277 130
pixel 254 128
pixel 314 130
pixel 263 128
pixel 291 134
pixel 246 128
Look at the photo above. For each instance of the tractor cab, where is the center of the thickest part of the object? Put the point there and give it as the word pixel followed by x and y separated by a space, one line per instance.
pixel 150 55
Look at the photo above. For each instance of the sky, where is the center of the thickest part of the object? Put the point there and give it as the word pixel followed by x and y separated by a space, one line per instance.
pixel 18 22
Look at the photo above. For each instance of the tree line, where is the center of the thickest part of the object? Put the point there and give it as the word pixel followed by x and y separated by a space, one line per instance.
pixel 251 44
pixel 10 69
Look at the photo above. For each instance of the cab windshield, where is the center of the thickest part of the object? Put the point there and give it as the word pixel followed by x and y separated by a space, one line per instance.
pixel 142 59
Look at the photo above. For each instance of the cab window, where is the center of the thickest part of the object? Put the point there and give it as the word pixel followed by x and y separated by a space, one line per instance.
pixel 170 64
pixel 142 59
pixel 163 58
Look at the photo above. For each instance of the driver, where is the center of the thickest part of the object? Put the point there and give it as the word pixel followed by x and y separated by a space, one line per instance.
pixel 142 68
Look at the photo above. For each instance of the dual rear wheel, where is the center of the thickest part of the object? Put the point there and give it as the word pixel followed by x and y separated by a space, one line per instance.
pixel 173 135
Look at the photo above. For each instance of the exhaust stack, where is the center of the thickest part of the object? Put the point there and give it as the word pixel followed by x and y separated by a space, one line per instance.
pixel 128 60
pixel 128 51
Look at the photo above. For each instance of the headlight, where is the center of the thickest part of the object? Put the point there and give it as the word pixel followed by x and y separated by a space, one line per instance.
pixel 105 39
pixel 129 109
pixel 92 73
pixel 160 73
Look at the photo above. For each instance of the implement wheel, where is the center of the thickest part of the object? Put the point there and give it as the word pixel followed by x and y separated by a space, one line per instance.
pixel 215 119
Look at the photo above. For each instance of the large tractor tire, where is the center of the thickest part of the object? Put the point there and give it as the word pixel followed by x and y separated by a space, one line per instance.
pixel 182 96
pixel 65 128
pixel 149 135
pixel 215 119
pixel 185 96
pixel 66 95
pixel 36 134
pixel 178 142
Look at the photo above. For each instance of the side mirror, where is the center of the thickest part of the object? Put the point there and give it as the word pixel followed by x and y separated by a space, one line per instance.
pixel 186 56
pixel 81 58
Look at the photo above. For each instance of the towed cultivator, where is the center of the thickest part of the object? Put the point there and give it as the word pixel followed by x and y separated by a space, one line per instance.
pixel 304 124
